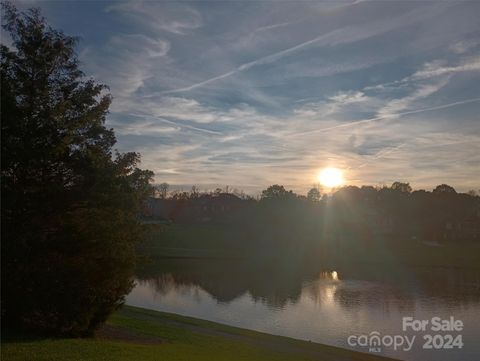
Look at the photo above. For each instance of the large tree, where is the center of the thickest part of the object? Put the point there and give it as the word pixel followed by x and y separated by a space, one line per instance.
pixel 401 187
pixel 69 201
pixel 444 189
pixel 277 192
pixel 314 195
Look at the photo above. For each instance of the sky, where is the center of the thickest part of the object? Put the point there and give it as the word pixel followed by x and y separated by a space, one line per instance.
pixel 253 93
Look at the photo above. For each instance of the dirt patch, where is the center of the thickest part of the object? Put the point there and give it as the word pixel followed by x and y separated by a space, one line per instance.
pixel 115 333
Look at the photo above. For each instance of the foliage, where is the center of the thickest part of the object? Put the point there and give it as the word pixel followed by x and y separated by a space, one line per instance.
pixel 314 195
pixel 69 204
pixel 444 189
pixel 162 190
pixel 277 192
pixel 402 187
pixel 284 221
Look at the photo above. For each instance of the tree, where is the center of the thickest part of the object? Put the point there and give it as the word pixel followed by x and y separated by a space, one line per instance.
pixel 162 190
pixel 69 203
pixel 402 187
pixel 277 192
pixel 314 195
pixel 444 189
pixel 472 193
pixel 194 192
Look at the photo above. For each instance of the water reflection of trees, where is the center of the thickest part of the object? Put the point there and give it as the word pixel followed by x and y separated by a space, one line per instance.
pixel 279 283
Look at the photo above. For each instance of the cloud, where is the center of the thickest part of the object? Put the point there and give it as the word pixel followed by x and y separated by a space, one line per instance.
pixel 437 68
pixel 397 106
pixel 175 18
pixel 209 97
pixel 464 46
pixel 342 105
pixel 422 84
pixel 388 115
pixel 345 35
pixel 432 69
pixel 139 45
pixel 125 62
pixel 348 97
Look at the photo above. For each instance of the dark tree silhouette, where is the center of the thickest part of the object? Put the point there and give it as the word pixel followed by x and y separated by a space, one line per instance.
pixel 472 192
pixel 277 192
pixel 444 189
pixel 402 187
pixel 69 205
pixel 162 190
pixel 314 195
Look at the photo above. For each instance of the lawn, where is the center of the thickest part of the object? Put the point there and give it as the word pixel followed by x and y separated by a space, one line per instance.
pixel 222 241
pixel 141 334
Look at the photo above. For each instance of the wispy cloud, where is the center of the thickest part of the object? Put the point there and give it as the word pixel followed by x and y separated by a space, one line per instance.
pixel 436 68
pixel 464 46
pixel 125 61
pixel 432 69
pixel 396 106
pixel 174 18
pixel 389 116
pixel 260 93
pixel 343 35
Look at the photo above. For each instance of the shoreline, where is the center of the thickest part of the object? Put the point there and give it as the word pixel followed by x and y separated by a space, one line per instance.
pixel 134 333
pixel 224 330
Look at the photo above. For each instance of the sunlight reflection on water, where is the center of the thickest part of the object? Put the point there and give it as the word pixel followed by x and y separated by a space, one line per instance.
pixel 326 309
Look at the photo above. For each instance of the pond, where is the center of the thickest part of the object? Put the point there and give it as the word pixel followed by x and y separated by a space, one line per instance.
pixel 329 305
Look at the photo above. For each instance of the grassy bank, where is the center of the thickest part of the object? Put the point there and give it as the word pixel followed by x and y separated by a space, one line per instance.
pixel 223 242
pixel 193 241
pixel 139 334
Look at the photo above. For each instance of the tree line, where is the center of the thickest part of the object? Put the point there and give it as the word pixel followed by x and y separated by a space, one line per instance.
pixel 315 194
pixel 365 212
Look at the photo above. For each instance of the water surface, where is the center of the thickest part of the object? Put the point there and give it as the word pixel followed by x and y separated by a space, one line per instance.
pixel 318 303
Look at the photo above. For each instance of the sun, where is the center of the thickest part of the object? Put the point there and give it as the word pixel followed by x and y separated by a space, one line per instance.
pixel 331 177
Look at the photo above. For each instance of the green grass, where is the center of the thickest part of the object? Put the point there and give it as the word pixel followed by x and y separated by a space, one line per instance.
pixel 417 254
pixel 183 338
pixel 192 241
pixel 461 255
pixel 224 242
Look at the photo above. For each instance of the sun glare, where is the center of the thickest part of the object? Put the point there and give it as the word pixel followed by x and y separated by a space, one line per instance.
pixel 331 177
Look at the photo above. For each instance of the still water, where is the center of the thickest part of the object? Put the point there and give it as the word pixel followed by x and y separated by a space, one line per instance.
pixel 321 304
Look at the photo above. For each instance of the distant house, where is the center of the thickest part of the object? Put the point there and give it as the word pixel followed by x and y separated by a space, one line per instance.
pixel 380 224
pixel 465 230
pixel 158 208
pixel 203 208
pixel 208 207
pixel 221 203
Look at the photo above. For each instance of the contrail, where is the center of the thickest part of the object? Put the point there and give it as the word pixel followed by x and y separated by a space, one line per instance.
pixel 380 154
pixel 395 115
pixel 273 26
pixel 177 124
pixel 264 60
pixel 343 35
pixel 391 150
